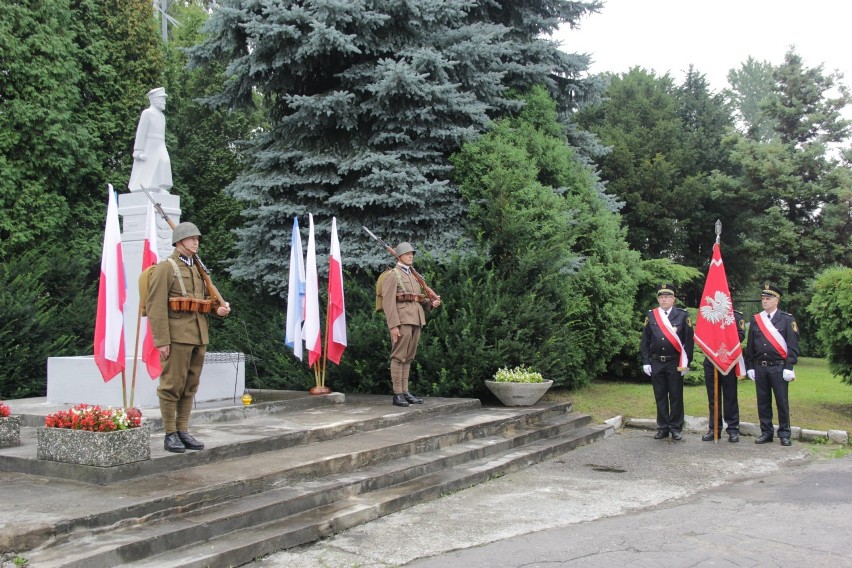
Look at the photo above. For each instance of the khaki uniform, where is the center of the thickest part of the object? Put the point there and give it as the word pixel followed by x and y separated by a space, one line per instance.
pixel 409 317
pixel 187 335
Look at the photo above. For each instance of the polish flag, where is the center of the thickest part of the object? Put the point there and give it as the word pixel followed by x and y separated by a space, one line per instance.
pixel 311 331
pixel 295 294
pixel 112 294
pixel 336 340
pixel 150 257
pixel 716 327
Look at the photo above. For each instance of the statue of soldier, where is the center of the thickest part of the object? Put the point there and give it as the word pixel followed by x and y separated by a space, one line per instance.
pixel 152 168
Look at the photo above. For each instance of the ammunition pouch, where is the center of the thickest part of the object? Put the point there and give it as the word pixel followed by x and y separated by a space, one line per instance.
pixel 406 297
pixel 187 304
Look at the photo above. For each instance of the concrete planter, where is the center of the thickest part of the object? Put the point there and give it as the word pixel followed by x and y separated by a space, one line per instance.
pixel 518 394
pixel 101 449
pixel 10 431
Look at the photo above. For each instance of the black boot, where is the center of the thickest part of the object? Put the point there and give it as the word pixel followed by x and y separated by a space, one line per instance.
pixel 190 442
pixel 411 398
pixel 399 400
pixel 173 444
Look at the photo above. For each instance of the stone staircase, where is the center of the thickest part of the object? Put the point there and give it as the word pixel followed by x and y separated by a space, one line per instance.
pixel 280 480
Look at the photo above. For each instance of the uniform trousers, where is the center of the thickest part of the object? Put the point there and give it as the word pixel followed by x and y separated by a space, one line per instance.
pixel 179 383
pixel 769 381
pixel 668 392
pixel 402 354
pixel 728 396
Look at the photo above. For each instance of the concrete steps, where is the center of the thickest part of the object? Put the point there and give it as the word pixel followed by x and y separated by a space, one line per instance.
pixel 284 497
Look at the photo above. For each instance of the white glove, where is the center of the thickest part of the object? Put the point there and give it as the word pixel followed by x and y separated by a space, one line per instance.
pixel 647 369
pixel 788 375
pixel 750 374
pixel 684 372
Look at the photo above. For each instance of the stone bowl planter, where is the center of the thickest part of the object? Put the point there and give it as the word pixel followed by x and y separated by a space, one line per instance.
pixel 518 394
pixel 100 449
pixel 10 431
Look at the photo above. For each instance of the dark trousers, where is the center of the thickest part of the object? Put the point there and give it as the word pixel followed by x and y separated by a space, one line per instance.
pixel 668 392
pixel 769 380
pixel 728 396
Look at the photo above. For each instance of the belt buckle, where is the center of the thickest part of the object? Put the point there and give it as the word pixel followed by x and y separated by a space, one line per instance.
pixel 764 363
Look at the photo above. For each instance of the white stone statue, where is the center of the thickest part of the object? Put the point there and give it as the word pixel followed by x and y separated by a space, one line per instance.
pixel 152 169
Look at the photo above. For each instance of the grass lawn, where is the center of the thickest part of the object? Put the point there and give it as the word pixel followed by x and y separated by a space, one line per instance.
pixel 818 400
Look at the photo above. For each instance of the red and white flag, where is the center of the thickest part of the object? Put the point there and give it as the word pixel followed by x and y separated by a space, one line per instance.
pixel 336 336
pixel 716 329
pixel 112 294
pixel 311 330
pixel 150 257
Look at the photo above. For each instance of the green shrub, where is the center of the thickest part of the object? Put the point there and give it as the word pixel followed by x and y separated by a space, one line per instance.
pixel 831 308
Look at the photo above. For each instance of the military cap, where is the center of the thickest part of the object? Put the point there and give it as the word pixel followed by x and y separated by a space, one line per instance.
pixel 158 92
pixel 770 290
pixel 666 290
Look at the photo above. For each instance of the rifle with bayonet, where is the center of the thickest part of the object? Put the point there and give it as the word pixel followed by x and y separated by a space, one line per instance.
pixel 205 273
pixel 429 291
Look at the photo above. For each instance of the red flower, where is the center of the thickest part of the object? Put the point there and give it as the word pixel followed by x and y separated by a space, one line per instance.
pixel 5 411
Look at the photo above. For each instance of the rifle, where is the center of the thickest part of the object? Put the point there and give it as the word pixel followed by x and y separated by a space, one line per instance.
pixel 205 273
pixel 429 291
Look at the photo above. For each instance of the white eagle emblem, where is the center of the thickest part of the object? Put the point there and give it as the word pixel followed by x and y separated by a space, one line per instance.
pixel 718 309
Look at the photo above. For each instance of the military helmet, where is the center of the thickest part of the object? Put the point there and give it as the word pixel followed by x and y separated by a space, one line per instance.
pixel 403 248
pixel 183 231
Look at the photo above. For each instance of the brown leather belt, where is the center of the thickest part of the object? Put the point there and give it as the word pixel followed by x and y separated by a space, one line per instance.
pixel 405 297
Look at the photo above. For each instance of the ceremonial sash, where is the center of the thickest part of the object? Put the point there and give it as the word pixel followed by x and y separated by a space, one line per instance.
pixel 772 334
pixel 669 333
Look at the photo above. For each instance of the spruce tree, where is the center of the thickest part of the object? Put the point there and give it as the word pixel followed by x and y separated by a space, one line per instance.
pixel 366 99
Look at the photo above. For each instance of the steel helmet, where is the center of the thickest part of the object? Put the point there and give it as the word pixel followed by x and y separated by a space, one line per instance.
pixel 403 248
pixel 183 231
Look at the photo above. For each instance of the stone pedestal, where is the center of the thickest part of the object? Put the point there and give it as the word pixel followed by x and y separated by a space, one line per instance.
pixel 73 380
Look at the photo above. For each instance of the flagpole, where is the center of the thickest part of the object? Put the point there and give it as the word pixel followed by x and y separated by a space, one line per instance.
pixel 715 405
pixel 716 369
pixel 135 357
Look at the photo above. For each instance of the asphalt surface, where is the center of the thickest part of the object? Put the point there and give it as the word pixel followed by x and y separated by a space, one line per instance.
pixel 629 501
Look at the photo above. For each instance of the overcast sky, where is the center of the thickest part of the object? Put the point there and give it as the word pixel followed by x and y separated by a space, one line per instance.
pixel 715 36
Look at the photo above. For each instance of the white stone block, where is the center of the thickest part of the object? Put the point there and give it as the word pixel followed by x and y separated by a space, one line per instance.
pixel 74 380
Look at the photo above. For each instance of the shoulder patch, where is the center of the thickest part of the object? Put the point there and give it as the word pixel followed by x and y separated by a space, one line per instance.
pixel 646 322
pixel 688 322
pixel 795 326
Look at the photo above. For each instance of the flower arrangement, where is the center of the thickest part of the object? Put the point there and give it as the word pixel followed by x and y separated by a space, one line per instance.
pixel 519 374
pixel 95 418
pixel 4 410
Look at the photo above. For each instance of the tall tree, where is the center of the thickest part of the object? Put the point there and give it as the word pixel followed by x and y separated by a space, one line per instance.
pixel 750 86
pixel 795 190
pixel 366 100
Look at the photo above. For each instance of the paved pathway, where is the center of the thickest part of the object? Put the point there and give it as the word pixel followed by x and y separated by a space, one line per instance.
pixel 626 501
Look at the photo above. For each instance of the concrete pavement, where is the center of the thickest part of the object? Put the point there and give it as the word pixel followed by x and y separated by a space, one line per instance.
pixel 628 500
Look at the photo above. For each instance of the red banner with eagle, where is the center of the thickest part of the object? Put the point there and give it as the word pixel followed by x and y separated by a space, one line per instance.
pixel 716 327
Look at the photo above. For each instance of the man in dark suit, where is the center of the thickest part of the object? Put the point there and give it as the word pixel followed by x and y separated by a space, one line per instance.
pixel 666 349
pixel 771 352
pixel 727 393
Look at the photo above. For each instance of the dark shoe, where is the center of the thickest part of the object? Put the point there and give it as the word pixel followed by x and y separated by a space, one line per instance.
pixel 661 434
pixel 190 442
pixel 763 439
pixel 708 437
pixel 786 442
pixel 173 444
pixel 399 400
pixel 411 398
pixel 676 436
pixel 733 437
